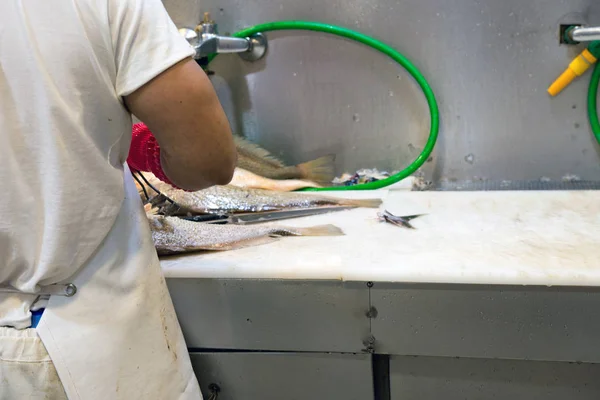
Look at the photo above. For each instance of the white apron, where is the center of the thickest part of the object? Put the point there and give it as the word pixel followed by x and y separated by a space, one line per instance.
pixel 118 337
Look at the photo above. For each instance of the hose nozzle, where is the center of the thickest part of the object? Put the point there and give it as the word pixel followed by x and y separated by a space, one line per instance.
pixel 576 68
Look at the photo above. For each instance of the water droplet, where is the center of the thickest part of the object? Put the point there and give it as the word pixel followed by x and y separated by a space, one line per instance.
pixel 356 117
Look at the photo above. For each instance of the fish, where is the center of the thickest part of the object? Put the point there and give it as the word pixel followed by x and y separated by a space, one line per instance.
pixel 172 235
pixel 241 178
pixel 254 158
pixel 398 220
pixel 231 199
pixel 249 180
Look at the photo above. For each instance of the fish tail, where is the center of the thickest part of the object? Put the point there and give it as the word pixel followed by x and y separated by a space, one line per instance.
pixel 364 203
pixel 258 241
pixel 320 170
pixel 320 230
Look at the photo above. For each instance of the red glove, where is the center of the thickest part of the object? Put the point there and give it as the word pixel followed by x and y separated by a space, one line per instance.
pixel 144 153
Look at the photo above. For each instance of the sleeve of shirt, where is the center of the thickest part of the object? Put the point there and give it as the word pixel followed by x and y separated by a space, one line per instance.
pixel 145 42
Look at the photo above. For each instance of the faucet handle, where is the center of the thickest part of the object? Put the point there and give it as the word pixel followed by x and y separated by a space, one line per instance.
pixel 207 26
pixel 206 19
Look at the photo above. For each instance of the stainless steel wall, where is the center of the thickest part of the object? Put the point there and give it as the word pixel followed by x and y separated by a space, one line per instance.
pixel 488 61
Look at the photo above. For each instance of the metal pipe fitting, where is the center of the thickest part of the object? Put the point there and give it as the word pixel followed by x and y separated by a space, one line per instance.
pixel 584 34
pixel 206 41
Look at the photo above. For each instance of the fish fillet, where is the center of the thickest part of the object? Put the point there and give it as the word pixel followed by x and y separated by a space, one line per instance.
pixel 172 235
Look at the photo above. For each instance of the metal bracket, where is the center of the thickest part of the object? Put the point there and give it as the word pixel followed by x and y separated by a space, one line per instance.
pixel 369 343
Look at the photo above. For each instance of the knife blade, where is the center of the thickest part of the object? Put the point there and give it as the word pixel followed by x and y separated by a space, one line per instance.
pixel 268 216
pixel 264 216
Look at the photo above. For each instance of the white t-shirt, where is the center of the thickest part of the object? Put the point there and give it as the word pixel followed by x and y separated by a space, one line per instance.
pixel 64 130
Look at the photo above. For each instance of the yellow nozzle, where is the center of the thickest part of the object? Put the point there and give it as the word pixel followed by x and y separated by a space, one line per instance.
pixel 576 68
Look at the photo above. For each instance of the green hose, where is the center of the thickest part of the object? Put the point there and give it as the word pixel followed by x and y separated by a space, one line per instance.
pixel 390 52
pixel 591 102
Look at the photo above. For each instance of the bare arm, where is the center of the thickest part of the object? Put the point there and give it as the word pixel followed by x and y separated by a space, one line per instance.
pixel 183 112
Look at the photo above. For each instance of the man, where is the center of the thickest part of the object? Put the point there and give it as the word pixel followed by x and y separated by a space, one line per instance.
pixel 71 74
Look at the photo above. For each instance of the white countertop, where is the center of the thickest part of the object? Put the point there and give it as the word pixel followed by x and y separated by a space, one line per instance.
pixel 524 238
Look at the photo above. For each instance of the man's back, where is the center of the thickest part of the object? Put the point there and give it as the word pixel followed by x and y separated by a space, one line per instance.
pixel 62 125
pixel 70 71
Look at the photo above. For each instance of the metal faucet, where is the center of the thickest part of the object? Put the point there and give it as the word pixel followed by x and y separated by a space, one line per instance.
pixel 206 41
pixel 583 34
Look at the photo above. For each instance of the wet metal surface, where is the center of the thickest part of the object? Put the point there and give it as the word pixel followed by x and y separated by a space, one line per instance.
pixel 489 63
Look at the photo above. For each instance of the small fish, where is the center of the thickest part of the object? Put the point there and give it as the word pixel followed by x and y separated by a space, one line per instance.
pixel 402 221
pixel 231 199
pixel 254 158
pixel 172 235
pixel 249 180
